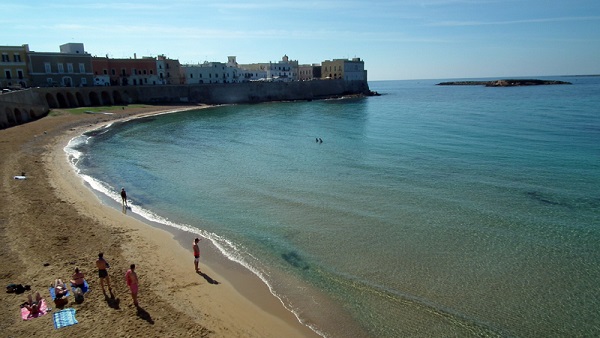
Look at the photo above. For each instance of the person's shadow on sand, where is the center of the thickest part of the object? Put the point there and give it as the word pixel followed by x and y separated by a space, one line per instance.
pixel 208 278
pixel 143 314
pixel 111 301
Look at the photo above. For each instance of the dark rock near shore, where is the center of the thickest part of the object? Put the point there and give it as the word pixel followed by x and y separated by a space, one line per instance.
pixel 504 83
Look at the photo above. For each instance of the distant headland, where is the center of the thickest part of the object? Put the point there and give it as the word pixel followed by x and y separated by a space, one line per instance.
pixel 504 83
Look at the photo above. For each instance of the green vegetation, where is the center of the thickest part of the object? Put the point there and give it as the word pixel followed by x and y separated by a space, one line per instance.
pixel 93 110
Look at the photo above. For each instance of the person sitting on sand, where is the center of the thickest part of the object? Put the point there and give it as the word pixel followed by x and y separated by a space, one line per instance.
pixel 78 280
pixel 33 306
pixel 60 289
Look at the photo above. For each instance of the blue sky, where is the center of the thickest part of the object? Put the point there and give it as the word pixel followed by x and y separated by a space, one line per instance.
pixel 398 39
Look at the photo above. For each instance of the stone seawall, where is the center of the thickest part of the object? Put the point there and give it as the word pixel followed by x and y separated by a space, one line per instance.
pixel 22 106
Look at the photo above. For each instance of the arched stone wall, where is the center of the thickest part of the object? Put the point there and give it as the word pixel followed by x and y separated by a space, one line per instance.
pixel 19 117
pixel 71 100
pixel 80 100
pixel 51 100
pixel 106 99
pixel 94 99
pixel 62 102
pixel 117 99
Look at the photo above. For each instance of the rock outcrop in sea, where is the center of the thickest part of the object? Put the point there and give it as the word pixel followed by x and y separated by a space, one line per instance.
pixel 504 83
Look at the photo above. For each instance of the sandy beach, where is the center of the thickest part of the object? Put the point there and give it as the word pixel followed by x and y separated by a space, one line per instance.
pixel 51 223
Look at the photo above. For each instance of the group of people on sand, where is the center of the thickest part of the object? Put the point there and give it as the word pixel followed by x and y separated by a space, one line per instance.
pixel 34 301
pixel 131 277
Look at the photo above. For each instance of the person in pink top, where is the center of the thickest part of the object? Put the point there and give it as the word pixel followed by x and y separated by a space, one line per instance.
pixel 132 282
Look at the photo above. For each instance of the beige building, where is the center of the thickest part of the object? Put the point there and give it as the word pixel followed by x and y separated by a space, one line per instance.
pixel 345 69
pixel 13 66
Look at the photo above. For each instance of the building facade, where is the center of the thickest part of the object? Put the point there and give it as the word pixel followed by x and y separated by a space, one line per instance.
pixel 170 71
pixel 13 67
pixel 212 72
pixel 348 70
pixel 309 72
pixel 64 69
pixel 284 70
pixel 125 72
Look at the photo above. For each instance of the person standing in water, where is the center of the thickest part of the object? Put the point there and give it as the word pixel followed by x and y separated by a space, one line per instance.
pixel 196 253
pixel 124 197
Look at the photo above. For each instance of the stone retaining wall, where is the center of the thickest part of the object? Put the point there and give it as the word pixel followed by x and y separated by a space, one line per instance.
pixel 26 105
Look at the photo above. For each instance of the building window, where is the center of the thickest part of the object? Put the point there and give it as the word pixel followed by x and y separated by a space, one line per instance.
pixel 144 72
pixel 83 81
pixel 8 74
pixel 5 57
pixel 82 68
pixel 47 67
pixel 20 74
pixel 61 68
pixel 105 71
pixel 113 71
pixel 69 67
pixel 17 57
pixel 191 76
pixel 49 81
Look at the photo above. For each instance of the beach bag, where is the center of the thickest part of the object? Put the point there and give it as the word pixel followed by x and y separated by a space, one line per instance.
pixel 78 295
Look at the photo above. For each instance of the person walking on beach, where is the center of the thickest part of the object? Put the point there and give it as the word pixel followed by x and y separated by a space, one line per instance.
pixel 132 282
pixel 124 197
pixel 196 254
pixel 102 265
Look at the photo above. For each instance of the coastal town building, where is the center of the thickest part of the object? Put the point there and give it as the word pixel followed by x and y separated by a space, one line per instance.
pixel 13 66
pixel 309 72
pixel 211 72
pixel 72 67
pixel 345 69
pixel 169 70
pixel 125 72
pixel 284 70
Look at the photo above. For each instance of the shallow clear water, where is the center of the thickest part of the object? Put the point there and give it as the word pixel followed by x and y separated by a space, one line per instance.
pixel 427 211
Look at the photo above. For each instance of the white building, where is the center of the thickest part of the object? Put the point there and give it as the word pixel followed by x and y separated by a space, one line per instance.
pixel 211 72
pixel 284 70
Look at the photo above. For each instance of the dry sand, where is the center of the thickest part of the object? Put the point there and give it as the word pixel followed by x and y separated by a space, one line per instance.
pixel 51 223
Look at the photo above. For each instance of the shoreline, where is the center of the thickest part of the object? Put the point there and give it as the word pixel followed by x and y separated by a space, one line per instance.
pixel 170 292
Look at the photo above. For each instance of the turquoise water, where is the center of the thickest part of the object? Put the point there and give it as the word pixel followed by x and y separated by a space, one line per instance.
pixel 427 211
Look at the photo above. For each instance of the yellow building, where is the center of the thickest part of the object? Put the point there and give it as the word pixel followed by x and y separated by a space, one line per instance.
pixel 13 66
pixel 344 69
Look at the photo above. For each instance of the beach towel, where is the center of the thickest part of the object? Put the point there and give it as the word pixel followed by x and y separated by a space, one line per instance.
pixel 26 315
pixel 64 318
pixel 53 293
pixel 59 302
pixel 84 289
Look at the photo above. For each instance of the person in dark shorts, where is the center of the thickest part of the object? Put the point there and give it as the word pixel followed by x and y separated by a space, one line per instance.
pixel 102 265
pixel 124 197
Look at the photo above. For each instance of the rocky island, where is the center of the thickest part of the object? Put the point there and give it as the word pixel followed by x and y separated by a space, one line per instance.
pixel 504 83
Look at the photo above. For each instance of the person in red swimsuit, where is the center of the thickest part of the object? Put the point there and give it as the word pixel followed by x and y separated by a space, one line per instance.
pixel 196 254
pixel 132 282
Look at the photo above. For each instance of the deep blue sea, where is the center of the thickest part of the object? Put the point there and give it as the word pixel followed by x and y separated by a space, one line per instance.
pixel 432 211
